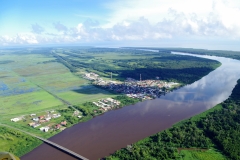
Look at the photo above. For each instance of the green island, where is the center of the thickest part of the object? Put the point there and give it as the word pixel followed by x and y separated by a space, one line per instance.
pixel 49 82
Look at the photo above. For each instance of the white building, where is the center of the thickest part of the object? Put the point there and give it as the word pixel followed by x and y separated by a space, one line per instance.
pixel 15 119
pixel 44 129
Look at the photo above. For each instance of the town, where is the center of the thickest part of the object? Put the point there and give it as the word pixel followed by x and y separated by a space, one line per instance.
pixel 142 89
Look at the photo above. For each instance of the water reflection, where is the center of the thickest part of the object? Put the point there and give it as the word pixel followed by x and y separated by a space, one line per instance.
pixel 115 129
pixel 213 88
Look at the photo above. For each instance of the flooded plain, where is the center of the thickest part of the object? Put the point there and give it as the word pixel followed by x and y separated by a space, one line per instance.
pixel 116 129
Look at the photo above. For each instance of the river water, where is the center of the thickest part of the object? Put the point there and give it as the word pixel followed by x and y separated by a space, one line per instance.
pixel 116 129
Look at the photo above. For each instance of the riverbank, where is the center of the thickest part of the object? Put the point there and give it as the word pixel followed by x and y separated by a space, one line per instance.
pixel 209 130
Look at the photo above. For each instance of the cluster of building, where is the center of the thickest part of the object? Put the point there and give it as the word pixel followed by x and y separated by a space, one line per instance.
pixel 142 89
pixel 61 126
pixel 91 76
pixel 39 120
pixel 107 104
pixel 147 89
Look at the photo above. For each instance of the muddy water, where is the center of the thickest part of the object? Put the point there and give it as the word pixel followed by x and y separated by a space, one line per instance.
pixel 115 129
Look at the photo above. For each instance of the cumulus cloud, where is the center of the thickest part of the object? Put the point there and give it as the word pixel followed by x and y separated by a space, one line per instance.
pixel 60 27
pixel 36 28
pixel 21 38
pixel 139 20
pixel 191 17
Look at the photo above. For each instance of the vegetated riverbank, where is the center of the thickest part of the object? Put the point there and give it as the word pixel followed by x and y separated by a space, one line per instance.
pixel 217 130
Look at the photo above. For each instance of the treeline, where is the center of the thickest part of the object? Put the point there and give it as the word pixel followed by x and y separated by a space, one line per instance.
pixel 185 76
pixel 64 61
pixel 229 54
pixel 218 129
pixel 220 53
pixel 184 69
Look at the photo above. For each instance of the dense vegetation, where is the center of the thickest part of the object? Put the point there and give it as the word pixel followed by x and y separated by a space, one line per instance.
pixel 16 142
pixel 217 128
pixel 124 63
pixel 125 100
pixel 220 53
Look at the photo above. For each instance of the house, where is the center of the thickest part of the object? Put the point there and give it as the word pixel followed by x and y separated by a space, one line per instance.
pixel 42 128
pixel 31 124
pixel 41 117
pixel 35 119
pixel 42 121
pixel 64 123
pixel 56 115
pixel 47 118
pixel 15 119
pixel 79 116
pixel 45 129
pixel 36 125
pixel 58 126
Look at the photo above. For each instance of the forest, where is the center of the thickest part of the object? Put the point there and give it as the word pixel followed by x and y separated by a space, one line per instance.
pixel 217 129
pixel 220 53
pixel 124 63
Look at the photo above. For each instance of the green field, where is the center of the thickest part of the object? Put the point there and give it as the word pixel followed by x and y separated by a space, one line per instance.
pixel 30 82
pixel 16 142
pixel 201 155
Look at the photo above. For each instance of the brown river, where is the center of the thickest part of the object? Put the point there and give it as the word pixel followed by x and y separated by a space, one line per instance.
pixel 115 129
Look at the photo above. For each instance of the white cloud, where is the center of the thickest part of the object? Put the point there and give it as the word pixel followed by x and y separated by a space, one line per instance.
pixel 21 38
pixel 145 21
pixel 206 17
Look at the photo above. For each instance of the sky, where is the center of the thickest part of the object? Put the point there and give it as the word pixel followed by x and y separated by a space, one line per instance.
pixel 207 24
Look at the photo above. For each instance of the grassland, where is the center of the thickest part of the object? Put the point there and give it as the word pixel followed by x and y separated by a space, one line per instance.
pixel 16 142
pixel 27 84
pixel 32 81
pixel 201 155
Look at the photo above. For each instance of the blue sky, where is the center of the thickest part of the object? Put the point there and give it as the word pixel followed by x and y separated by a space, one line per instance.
pixel 210 24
